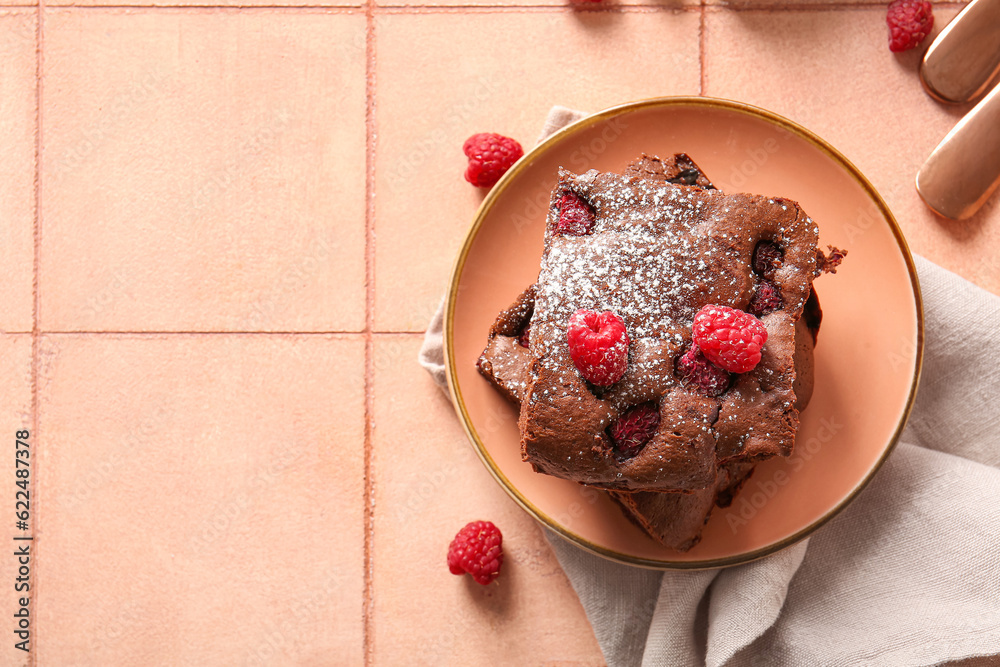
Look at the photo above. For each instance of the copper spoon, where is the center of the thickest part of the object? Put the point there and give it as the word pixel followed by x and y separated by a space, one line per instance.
pixel 964 58
pixel 964 169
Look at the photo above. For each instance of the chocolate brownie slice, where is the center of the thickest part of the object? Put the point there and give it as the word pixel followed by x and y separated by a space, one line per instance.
pixel 672 518
pixel 655 254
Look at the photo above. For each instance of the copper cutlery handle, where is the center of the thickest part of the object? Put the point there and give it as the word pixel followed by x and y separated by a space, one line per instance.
pixel 964 58
pixel 964 169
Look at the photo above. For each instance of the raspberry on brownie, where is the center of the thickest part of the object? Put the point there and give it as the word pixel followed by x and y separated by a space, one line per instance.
pixel 729 338
pixel 598 345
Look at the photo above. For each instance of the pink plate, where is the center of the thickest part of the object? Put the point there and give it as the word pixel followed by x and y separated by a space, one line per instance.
pixel 867 359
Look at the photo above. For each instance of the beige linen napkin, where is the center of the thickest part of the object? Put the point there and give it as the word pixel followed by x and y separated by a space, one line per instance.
pixel 908 574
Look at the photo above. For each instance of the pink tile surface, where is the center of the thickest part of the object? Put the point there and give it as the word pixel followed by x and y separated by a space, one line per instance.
pixel 215 498
pixel 574 6
pixel 424 206
pixel 201 171
pixel 832 72
pixel 233 4
pixel 17 166
pixel 785 5
pixel 199 505
pixel 429 484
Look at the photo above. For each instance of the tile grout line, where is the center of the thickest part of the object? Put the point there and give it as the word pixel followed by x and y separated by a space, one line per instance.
pixel 342 334
pixel 368 604
pixel 35 310
pixel 567 8
pixel 513 7
pixel 819 6
pixel 386 9
pixel 206 332
pixel 701 49
pixel 222 8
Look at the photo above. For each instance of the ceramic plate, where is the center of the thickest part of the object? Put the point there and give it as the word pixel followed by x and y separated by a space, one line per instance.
pixel 867 357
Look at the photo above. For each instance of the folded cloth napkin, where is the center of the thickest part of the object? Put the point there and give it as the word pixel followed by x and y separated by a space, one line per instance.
pixel 908 574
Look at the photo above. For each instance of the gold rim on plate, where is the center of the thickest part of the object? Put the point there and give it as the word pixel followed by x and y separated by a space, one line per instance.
pixel 498 191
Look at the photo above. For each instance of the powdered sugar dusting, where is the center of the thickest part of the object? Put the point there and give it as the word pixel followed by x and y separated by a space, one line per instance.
pixel 644 260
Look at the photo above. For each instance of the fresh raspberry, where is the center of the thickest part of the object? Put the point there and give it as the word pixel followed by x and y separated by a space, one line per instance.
pixel 477 549
pixel 701 374
pixel 598 345
pixel 490 156
pixel 524 338
pixel 910 21
pixel 767 258
pixel 766 299
pixel 728 337
pixel 634 429
pixel 576 217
